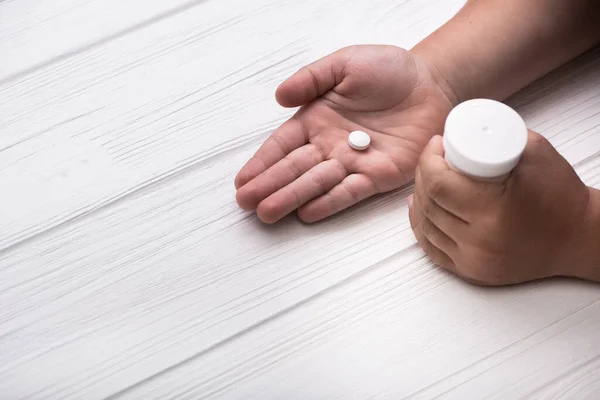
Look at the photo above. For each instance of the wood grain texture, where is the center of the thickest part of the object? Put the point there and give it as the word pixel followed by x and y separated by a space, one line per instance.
pixel 166 96
pixel 46 32
pixel 127 270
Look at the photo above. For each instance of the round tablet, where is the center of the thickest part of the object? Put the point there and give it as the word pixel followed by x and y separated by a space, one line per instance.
pixel 484 138
pixel 359 140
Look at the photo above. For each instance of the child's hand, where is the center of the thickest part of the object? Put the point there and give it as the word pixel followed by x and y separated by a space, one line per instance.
pixel 526 228
pixel 307 164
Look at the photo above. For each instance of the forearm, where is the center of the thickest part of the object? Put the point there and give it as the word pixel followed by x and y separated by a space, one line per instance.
pixel 587 261
pixel 493 48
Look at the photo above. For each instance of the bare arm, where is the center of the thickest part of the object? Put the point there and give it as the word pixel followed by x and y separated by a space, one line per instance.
pixel 493 48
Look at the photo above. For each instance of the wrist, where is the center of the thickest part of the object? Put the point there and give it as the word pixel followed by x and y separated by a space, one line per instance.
pixel 462 61
pixel 494 48
pixel 587 265
pixel 440 70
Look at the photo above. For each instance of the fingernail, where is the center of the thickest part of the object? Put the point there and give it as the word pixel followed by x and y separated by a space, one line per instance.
pixel 410 201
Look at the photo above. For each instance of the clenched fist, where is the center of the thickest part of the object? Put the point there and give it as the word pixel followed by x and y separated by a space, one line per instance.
pixel 542 221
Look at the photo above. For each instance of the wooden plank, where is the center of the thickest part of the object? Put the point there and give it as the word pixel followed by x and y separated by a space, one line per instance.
pixel 49 31
pixel 408 332
pixel 162 98
pixel 127 269
pixel 173 272
pixel 563 106
pixel 175 269
pixel 44 33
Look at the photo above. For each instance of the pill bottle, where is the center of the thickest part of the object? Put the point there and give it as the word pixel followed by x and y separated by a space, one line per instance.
pixel 484 139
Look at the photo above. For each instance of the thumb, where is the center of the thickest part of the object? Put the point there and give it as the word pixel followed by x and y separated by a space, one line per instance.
pixel 313 80
pixel 435 147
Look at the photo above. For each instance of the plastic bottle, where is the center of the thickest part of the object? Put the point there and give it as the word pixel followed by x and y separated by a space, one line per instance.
pixel 484 139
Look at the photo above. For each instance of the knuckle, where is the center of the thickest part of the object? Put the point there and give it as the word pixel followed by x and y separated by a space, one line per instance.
pixel 535 139
pixel 342 170
pixel 427 228
pixel 536 145
pixel 427 247
pixel 280 142
pixel 435 187
pixel 427 207
pixel 297 196
pixel 314 80
pixel 292 166
pixel 317 152
pixel 319 181
pixel 350 190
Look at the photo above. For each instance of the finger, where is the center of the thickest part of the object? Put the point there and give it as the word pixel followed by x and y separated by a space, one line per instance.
pixel 430 230
pixel 278 176
pixel 452 191
pixel 317 181
pixel 437 255
pixel 287 138
pixel 451 224
pixel 440 248
pixel 442 260
pixel 353 189
pixel 313 80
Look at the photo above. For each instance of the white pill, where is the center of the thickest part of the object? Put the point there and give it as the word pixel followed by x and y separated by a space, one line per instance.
pixel 359 140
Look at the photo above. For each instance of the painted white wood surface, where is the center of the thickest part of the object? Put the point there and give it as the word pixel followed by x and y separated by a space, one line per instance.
pixel 127 270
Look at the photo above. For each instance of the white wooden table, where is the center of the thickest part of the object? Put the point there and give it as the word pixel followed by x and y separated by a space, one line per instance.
pixel 128 271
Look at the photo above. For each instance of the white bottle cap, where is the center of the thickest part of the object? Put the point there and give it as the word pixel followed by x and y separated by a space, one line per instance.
pixel 484 138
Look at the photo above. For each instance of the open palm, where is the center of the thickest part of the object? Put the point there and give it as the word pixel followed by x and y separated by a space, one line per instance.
pixel 307 165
